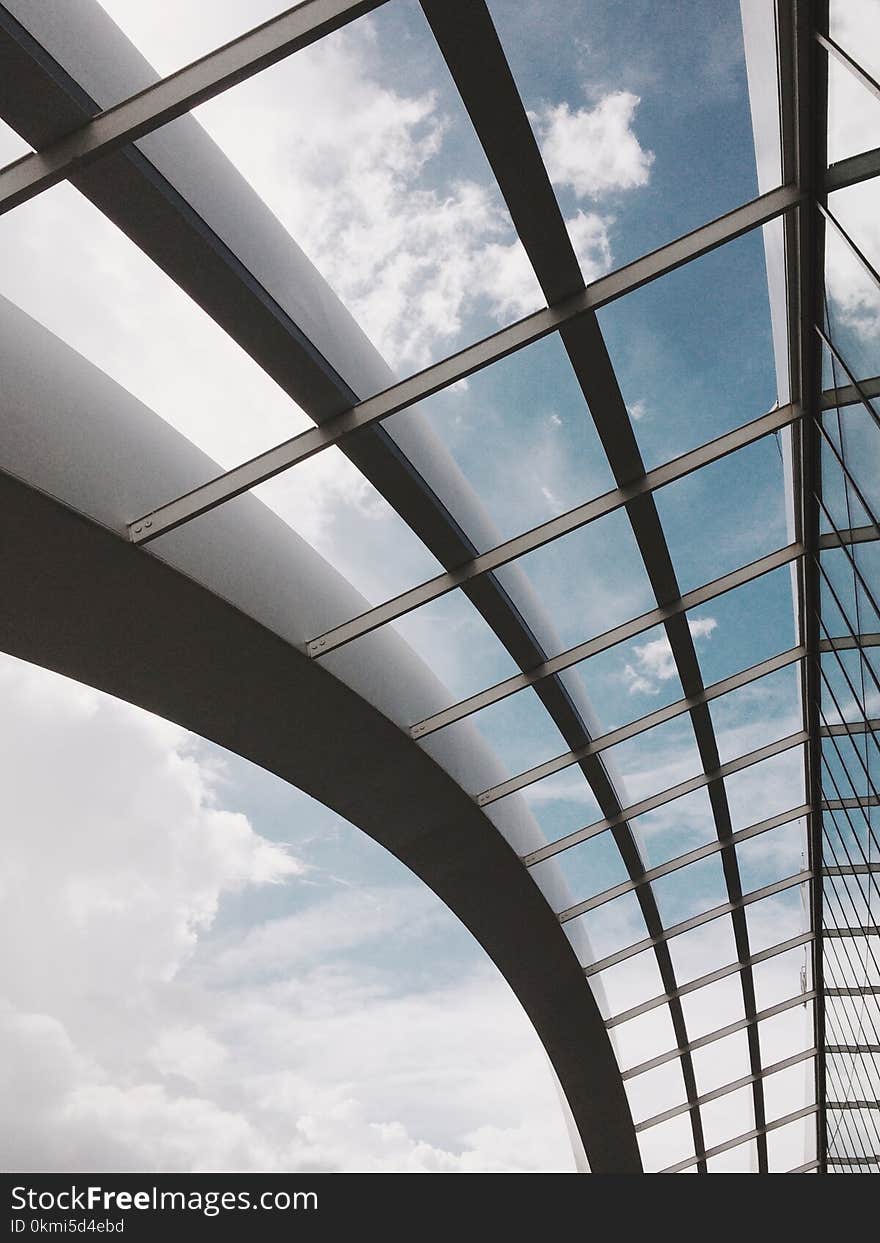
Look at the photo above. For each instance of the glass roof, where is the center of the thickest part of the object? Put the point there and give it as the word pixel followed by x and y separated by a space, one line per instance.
pixel 648 585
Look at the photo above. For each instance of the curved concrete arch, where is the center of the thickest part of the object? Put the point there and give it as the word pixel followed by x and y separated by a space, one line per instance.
pixel 78 452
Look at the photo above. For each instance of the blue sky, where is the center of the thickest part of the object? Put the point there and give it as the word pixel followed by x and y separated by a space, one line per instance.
pixel 363 150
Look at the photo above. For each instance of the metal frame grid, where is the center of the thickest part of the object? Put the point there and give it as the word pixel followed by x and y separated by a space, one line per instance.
pixel 846 1045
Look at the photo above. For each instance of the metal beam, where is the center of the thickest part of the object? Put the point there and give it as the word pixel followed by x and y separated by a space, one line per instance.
pixel 851 727
pixel 634 728
pixel 841 643
pixel 695 856
pixel 176 95
pixel 733 1086
pixel 546 532
pixel 719 1034
pixel 711 977
pixel 744 1139
pixel 802 98
pixel 848 395
pixel 844 804
pixel 695 921
pixel 591 647
pixel 834 49
pixel 457 367
pixel 853 170
pixel 666 796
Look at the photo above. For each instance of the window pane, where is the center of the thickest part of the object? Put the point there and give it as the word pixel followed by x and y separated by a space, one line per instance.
pixel 618 109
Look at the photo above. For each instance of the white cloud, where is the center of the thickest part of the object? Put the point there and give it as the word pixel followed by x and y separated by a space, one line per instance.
pixel 654 662
pixel 594 150
pixel 637 410
pixel 140 1031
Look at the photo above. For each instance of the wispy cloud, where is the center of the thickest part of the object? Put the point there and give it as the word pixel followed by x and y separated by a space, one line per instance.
pixel 654 662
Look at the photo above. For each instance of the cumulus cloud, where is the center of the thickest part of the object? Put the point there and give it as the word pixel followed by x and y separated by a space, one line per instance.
pixel 654 662
pixel 594 150
pixel 144 1026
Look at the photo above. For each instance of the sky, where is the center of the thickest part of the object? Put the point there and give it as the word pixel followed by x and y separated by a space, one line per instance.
pixel 230 976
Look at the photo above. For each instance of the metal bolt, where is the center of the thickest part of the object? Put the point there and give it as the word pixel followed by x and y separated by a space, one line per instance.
pixel 137 530
pixel 148 523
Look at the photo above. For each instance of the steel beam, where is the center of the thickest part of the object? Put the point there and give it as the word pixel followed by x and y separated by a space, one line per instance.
pixel 634 728
pixel 744 1139
pixel 467 362
pixel 666 796
pixel 711 977
pixel 733 1086
pixel 719 1034
pixel 695 856
pixel 610 638
pixel 176 95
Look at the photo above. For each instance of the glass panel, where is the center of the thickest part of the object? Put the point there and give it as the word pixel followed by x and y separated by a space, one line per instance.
pixel 852 764
pixel 522 435
pixel 520 730
pixel 633 678
pixel 849 498
pixel 743 1159
pixel 690 377
pixel 857 208
pixel 666 1143
pixel 853 310
pixel 777 979
pixel 765 789
pixel 611 927
pixel 690 890
pixel 855 26
pixel 772 856
pixel 855 497
pixel 656 1091
pixel 703 949
pixel 757 714
pixel 703 514
pixel 361 147
pixel 853 113
pixel 776 919
pixel 862 1068
pixel 589 581
pixel 12 146
pixel 359 533
pixel 655 760
pixel 458 644
pixel 786 1034
pixel 644 1037
pixel 745 626
pixel 713 1006
pixel 728 1116
pixel 590 868
pixel 632 982
pixel 171 35
pixel 676 827
pixel 848 683
pixel 618 112
pixel 791 1146
pixel 789 1090
pixel 69 268
pixel 839 569
pixel 560 804
pixel 721 1062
